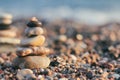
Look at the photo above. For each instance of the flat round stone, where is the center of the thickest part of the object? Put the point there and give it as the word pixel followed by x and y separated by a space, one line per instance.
pixel 33 31
pixel 6 40
pixel 33 41
pixel 32 62
pixel 7 33
pixel 35 51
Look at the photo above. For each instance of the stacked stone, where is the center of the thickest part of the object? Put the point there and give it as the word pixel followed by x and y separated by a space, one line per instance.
pixel 7 32
pixel 32 53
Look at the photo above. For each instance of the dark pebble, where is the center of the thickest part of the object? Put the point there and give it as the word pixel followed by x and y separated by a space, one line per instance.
pixel 89 75
pixel 54 63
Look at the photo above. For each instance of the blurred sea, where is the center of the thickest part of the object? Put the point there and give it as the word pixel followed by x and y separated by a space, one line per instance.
pixel 90 11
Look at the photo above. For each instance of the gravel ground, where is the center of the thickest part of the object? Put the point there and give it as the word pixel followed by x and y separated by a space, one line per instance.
pixel 77 53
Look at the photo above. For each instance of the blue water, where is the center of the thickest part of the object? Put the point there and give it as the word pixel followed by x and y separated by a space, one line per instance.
pixel 37 5
pixel 80 9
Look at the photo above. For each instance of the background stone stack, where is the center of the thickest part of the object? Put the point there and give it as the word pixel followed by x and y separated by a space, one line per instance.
pixel 32 54
pixel 7 33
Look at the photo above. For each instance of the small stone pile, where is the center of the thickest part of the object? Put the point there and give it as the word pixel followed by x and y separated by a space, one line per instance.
pixel 7 33
pixel 32 53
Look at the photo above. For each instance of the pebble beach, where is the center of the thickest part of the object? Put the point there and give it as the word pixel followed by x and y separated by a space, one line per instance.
pixel 78 51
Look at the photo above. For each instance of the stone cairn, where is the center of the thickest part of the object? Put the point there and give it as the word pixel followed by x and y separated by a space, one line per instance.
pixel 32 53
pixel 7 33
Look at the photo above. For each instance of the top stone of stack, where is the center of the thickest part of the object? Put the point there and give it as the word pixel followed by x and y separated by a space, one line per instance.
pixel 34 22
pixel 5 18
pixel 5 21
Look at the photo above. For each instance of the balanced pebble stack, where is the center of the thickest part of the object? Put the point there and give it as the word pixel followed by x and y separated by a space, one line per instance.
pixel 32 53
pixel 8 33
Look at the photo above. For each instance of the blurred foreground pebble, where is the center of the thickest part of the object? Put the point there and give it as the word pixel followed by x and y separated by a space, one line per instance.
pixel 25 74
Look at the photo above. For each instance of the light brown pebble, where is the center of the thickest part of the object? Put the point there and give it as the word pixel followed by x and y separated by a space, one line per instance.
pixel 63 79
pixel 79 37
pixel 62 38
pixel 33 19
pixel 33 51
pixel 23 51
pixel 32 62
pixel 11 32
pixel 33 31
pixel 111 66
pixel 40 77
pixel 104 74
pixel 9 40
pixel 12 56
pixel 33 41
pixel 73 57
pixel 7 33
pixel 25 74
pixel 1 61
pixel 78 78
pixel 5 18
pixel 4 56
